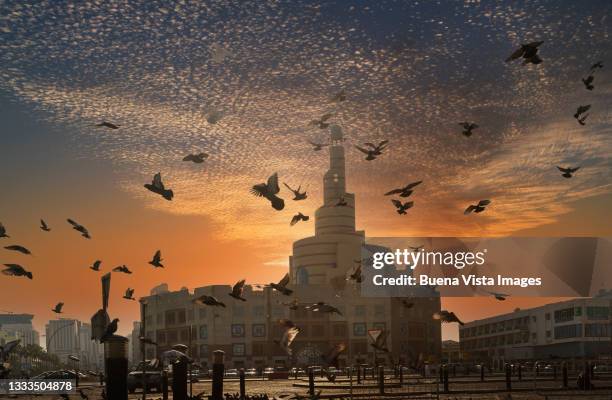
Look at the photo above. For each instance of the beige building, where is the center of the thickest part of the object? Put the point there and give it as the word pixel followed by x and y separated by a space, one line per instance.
pixel 318 269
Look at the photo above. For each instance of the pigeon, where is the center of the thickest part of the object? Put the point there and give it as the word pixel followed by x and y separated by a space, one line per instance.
pixel 157 260
pixel 96 265
pixel 157 186
pixel 468 128
pixel 581 110
pixel 478 208
pixel 270 190
pixel 404 191
pixel 374 150
pixel 58 308
pixel 529 52
pixel 237 290
pixel 79 228
pixel 146 340
pixel 111 328
pixel 205 300
pixel 447 317
pixel 296 193
pixel 321 122
pixel 324 308
pixel 407 304
pixel 3 231
pixel 588 82
pixel 20 249
pixel 402 207
pixel 109 125
pixel 298 217
pixel 129 294
pixel 582 120
pixel 597 65
pixel 331 357
pixel 317 146
pixel 341 202
pixel 44 226
pixel 380 343
pixel 288 336
pixel 281 286
pixel 567 172
pixel 122 268
pixel 16 270
pixel 339 97
pixel 196 158
pixel 498 296
pixel 293 304
pixel 356 275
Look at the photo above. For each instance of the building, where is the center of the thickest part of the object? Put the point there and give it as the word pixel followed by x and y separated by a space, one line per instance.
pixel 19 326
pixel 318 271
pixel 451 352
pixel 134 350
pixel 66 337
pixel 573 329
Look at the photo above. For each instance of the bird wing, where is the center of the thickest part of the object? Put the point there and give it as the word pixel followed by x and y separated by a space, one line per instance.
pixel 564 170
pixel 470 208
pixel 517 54
pixel 59 306
pixel 259 190
pixel 238 288
pixel 534 44
pixel 294 220
pixel 394 191
pixel 288 338
pixel 482 203
pixel 382 144
pixel 361 149
pixel 572 170
pixel 188 157
pixel 284 281
pixel 157 256
pixel 413 184
pixel 273 187
pixel 157 181
pixel 43 224
pixel 396 203
pixel 72 222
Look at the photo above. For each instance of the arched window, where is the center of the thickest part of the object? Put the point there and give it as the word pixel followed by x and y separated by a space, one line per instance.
pixel 302 276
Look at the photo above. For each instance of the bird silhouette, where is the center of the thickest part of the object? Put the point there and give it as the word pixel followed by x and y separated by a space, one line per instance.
pixel 106 124
pixel 380 343
pixel 237 290
pixel 404 191
pixel 401 208
pixel 96 265
pixel 356 274
pixel 323 307
pixel 79 228
pixel 16 270
pixel 597 65
pixel 588 82
pixel 205 300
pixel 447 317
pixel 19 249
pixel 298 217
pixel 568 172
pixel 498 296
pixel 374 150
pixel 321 122
pixel 44 226
pixel 529 53
pixel 478 208
pixel 157 260
pixel 581 110
pixel 293 304
pixel 3 231
pixel 269 191
pixel 157 186
pixel 122 268
pixel 317 146
pixel 296 193
pixel 196 158
pixel 281 286
pixel 468 128
pixel 288 337
pixel 129 294
pixel 407 304
pixel 58 308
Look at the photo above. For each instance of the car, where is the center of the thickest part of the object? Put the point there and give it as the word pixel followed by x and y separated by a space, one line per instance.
pixel 268 371
pixel 299 371
pixel 250 372
pixel 231 373
pixel 154 381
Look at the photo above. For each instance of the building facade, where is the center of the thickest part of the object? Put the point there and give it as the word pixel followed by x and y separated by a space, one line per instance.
pixel 574 329
pixel 66 337
pixel 19 326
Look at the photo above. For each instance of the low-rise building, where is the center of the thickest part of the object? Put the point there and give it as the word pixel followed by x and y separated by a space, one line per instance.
pixel 19 326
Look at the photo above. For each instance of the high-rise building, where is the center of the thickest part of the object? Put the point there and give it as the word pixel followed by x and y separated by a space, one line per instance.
pixel 66 337
pixel 19 326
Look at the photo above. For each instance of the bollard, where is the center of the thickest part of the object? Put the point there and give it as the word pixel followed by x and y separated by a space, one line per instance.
pixel 179 380
pixel 311 382
pixel 508 378
pixel 401 375
pixel 242 385
pixel 481 372
pixel 116 367
pixel 381 379
pixel 520 372
pixel 445 376
pixel 164 385
pixel 218 372
pixel 564 372
pixel 358 375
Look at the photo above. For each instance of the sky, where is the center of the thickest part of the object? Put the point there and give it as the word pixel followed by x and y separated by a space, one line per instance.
pixel 412 71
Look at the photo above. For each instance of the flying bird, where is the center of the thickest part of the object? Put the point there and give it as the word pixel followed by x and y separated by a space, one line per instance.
pixel 468 128
pixel 588 82
pixel 317 146
pixel 44 226
pixel 58 308
pixel 296 193
pixel 96 265
pixel 281 286
pixel 205 300
pixel 321 122
pixel 289 335
pixel 79 228
pixel 109 125
pixel 447 317
pixel 597 65
pixel 498 296
pixel 16 270
pixel 196 158
pixel 581 110
pixel 402 207
pixel 380 343
pixel 478 208
pixel 18 248
pixel 269 191
pixel 129 294
pixel 374 150
pixel 122 268
pixel 157 186
pixel 157 260
pixel 3 231
pixel 567 172
pixel 356 275
pixel 298 217
pixel 339 97
pixel 404 191
pixel 407 304
pixel 237 290
pixel 529 52
pixel 324 308
pixel 293 304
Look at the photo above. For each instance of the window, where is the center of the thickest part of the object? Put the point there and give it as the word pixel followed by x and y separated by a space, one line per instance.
pixel 379 325
pixel 184 335
pixel 596 330
pixel 190 315
pixel 598 313
pixel 547 334
pixel 568 331
pixel 278 311
pixel 379 310
pixel 172 337
pixel 160 318
pixel 258 330
pixel 359 329
pixel 181 318
pixel 259 311
pixel 170 318
pixel 339 330
pixel 203 332
pixel 161 337
pixel 238 311
pixel 203 350
pixel 302 276
pixel 360 311
pixel 237 330
pixel 547 317
pixel 578 311
pixel 259 349
pixel 564 315
pixel 238 349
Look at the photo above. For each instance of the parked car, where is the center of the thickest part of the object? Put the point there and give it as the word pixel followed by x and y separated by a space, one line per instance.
pixel 250 372
pixel 231 373
pixel 268 371
pixel 154 381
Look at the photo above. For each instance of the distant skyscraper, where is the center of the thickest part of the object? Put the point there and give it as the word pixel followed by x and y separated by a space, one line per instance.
pixel 19 326
pixel 65 337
